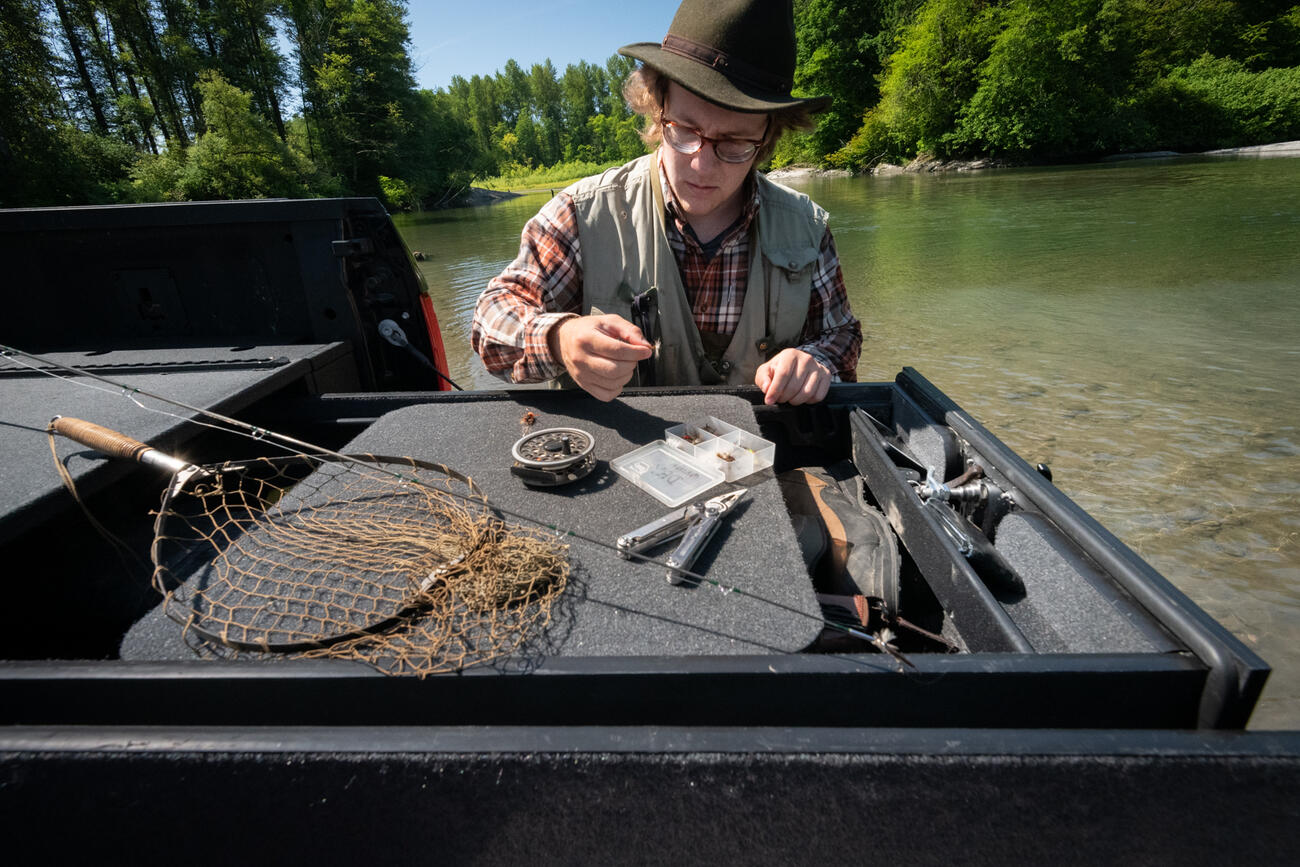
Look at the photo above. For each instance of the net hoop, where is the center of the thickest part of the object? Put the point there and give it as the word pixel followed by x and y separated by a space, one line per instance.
pixel 183 604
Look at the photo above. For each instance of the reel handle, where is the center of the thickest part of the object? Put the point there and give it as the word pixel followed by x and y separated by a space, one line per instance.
pixel 114 444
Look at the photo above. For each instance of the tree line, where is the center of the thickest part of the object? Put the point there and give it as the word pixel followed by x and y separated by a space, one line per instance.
pixel 1033 80
pixel 156 100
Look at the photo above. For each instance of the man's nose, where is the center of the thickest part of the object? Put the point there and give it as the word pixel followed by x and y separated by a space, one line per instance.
pixel 705 158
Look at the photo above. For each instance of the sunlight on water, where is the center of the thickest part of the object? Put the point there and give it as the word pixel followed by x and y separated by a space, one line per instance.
pixel 1134 325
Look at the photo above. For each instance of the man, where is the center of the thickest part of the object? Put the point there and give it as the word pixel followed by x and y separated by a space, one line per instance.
pixel 685 266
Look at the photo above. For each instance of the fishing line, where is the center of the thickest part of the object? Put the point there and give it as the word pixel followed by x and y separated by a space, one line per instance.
pixel 296 446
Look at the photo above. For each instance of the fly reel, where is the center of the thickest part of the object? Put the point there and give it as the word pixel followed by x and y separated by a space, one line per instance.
pixel 555 456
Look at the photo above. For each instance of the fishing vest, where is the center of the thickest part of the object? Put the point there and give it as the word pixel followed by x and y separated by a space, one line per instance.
pixel 629 269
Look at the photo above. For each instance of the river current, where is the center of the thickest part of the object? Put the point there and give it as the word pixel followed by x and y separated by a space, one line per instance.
pixel 1135 325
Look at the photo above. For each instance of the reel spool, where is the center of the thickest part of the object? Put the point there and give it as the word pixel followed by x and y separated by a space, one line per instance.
pixel 555 456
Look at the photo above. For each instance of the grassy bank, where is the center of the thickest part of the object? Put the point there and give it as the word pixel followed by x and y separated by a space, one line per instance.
pixel 518 179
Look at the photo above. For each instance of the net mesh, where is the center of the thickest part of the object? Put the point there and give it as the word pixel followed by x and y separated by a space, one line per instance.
pixel 397 563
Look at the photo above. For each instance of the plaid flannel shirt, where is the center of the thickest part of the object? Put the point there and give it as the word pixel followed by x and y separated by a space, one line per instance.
pixel 543 286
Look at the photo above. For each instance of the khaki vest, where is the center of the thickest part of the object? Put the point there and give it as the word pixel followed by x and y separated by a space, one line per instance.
pixel 626 256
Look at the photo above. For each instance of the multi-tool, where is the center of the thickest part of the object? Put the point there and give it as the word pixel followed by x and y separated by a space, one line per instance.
pixel 695 523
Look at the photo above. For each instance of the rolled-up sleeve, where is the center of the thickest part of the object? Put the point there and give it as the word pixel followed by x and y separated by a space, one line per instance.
pixel 540 288
pixel 832 334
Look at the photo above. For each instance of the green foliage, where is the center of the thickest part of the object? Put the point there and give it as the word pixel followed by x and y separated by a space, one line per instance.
pixel 1046 86
pixel 156 177
pixel 239 157
pixel 523 121
pixel 842 48
pixel 794 148
pixel 29 107
pixel 581 89
pixel 932 73
pixel 362 91
pixel 1047 79
pixel 615 139
pixel 928 78
pixel 1259 106
pixel 98 167
pixel 1217 102
pixel 437 157
pixel 617 70
pixel 524 145
pixel 44 159
pixel 398 194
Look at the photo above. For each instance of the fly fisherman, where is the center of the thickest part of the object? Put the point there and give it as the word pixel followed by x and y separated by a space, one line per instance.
pixel 686 266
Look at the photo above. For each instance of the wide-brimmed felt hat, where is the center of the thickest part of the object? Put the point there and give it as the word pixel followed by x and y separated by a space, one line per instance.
pixel 739 54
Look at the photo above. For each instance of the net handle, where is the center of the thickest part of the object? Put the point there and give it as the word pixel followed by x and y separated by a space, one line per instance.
pixel 114 444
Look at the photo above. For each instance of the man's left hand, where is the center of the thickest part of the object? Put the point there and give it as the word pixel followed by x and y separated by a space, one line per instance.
pixel 792 376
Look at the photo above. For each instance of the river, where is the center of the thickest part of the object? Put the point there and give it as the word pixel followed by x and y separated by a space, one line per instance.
pixel 1135 325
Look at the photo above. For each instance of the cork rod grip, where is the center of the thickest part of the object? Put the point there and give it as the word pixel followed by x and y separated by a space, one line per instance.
pixel 113 444
pixel 110 442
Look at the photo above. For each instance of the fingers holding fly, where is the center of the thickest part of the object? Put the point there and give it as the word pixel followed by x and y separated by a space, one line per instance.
pixel 600 352
pixel 625 334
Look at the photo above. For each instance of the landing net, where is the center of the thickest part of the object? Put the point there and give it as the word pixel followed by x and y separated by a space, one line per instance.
pixel 397 563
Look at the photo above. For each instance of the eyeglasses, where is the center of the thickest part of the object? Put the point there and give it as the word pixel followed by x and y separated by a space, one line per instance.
pixel 688 140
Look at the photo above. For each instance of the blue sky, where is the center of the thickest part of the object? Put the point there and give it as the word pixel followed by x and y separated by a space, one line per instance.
pixel 477 37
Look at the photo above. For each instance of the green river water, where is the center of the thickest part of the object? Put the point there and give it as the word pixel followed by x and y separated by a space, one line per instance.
pixel 1135 325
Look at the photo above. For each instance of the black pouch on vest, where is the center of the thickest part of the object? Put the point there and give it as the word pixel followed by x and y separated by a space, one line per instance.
pixel 645 315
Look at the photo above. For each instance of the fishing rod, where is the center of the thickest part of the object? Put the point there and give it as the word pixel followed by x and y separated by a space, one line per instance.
pixel 293 444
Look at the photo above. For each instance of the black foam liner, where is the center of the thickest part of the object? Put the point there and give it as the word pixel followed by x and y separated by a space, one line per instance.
pixel 226 379
pixel 1069 606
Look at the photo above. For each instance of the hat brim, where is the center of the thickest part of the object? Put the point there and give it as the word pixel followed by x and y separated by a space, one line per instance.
pixel 708 83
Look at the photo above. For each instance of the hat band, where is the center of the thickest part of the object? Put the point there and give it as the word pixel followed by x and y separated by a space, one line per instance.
pixel 737 70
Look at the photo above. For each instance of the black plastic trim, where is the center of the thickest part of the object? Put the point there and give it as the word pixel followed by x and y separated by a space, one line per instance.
pixel 969 690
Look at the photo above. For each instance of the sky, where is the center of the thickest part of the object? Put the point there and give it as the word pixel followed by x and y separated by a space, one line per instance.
pixel 477 37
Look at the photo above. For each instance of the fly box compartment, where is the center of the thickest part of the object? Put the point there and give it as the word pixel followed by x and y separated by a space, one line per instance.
pixel 715 444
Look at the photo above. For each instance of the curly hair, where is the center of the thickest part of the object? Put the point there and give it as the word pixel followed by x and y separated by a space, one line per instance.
pixel 646 91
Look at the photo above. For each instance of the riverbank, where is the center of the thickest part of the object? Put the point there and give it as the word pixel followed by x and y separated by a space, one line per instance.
pixel 921 165
pixel 1280 149
pixel 932 165
pixel 476 196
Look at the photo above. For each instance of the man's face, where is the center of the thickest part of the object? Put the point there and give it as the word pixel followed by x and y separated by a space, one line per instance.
pixel 703 184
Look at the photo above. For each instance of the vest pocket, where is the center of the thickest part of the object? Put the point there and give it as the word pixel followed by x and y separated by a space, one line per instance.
pixel 796 262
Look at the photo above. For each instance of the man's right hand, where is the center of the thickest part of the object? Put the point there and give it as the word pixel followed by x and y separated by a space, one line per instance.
pixel 599 352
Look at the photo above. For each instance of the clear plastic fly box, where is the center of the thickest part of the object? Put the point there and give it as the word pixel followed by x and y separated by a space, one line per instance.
pixel 672 476
pixel 715 444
